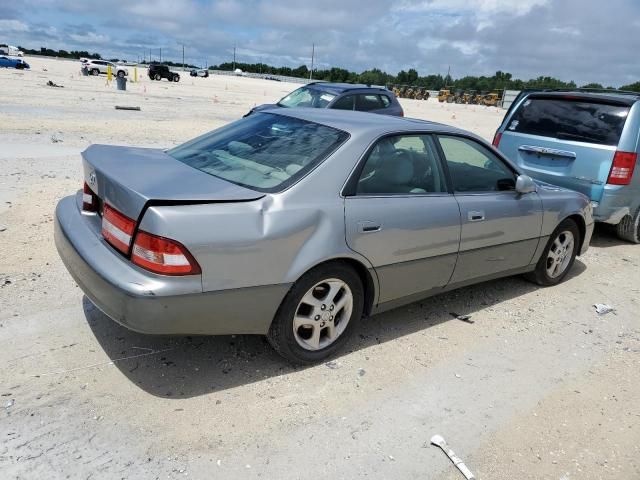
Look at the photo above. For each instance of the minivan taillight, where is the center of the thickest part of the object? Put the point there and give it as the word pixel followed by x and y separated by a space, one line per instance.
pixel 117 229
pixel 622 168
pixel 89 199
pixel 163 255
pixel 496 139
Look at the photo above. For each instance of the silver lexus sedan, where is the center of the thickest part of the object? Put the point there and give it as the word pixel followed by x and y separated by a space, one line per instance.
pixel 296 223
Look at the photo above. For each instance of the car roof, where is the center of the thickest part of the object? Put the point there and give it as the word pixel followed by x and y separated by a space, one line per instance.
pixel 339 88
pixel 623 97
pixel 357 123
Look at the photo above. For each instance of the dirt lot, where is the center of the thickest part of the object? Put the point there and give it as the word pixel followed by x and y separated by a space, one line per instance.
pixel 540 386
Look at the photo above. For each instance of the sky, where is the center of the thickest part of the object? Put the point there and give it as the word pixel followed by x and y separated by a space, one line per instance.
pixel 581 40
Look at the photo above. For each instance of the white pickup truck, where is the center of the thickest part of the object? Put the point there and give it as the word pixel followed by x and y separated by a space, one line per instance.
pixel 96 67
pixel 11 51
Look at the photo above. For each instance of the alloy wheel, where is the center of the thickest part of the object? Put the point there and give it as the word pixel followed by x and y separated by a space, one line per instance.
pixel 323 314
pixel 560 254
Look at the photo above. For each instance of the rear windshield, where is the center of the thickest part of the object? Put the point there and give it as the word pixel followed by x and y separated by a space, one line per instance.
pixel 264 152
pixel 581 121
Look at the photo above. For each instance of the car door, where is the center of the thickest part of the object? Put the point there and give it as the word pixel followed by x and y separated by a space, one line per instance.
pixel 500 227
pixel 401 216
pixel 369 102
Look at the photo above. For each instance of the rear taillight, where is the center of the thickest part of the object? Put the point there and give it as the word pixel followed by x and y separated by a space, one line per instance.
pixel 496 139
pixel 162 255
pixel 89 199
pixel 622 168
pixel 117 229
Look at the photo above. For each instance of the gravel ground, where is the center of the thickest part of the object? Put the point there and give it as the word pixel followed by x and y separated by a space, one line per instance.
pixel 540 386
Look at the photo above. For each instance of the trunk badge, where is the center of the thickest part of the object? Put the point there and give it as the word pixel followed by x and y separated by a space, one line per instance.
pixel 92 179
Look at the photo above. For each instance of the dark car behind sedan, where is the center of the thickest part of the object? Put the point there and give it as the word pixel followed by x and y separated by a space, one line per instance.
pixel 340 96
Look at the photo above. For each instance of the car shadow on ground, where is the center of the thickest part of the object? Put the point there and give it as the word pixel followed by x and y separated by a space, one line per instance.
pixel 188 366
pixel 604 236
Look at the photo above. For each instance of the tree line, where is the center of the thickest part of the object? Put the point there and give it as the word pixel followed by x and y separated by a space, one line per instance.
pixel 375 76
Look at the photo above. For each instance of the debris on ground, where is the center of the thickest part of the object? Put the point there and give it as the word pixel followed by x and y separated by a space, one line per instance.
pixel 51 84
pixel 464 318
pixel 10 403
pixel 333 365
pixel 2 227
pixel 122 107
pixel 438 441
pixel 603 308
pixel 361 372
pixel 55 138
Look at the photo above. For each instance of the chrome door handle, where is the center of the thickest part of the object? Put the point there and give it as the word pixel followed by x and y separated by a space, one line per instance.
pixel 369 227
pixel 474 216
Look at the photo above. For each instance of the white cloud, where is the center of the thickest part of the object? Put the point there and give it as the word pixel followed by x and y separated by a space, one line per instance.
pixel 13 26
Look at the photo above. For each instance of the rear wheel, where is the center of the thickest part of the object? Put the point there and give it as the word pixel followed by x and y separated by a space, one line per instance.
pixel 318 314
pixel 629 228
pixel 558 256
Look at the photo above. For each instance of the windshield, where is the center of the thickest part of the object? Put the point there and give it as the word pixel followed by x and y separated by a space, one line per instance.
pixel 264 152
pixel 307 97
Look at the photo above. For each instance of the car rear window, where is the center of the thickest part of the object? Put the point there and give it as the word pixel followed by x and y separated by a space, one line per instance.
pixel 569 119
pixel 265 152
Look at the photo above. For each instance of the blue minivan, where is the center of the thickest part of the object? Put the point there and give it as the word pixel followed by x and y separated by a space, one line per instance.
pixel 583 140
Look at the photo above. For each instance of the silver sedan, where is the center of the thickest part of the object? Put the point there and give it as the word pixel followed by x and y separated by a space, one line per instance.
pixel 296 223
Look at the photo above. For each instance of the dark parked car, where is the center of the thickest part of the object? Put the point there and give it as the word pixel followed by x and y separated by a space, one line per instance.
pixel 340 96
pixel 199 72
pixel 158 72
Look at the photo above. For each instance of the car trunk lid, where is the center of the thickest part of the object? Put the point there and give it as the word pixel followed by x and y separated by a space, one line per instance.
pixel 567 141
pixel 128 178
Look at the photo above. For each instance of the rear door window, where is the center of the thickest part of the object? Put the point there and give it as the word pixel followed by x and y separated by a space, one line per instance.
pixel 368 102
pixel 344 103
pixel 385 101
pixel 569 119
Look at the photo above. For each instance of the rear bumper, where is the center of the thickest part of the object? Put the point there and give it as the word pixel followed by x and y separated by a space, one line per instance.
pixel 616 202
pixel 150 303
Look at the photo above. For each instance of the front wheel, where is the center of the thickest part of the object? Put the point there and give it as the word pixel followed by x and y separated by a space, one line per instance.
pixel 629 228
pixel 318 314
pixel 176 78
pixel 120 73
pixel 95 72
pixel 558 256
pixel 157 77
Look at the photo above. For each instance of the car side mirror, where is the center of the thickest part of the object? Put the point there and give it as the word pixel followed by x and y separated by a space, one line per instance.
pixel 525 184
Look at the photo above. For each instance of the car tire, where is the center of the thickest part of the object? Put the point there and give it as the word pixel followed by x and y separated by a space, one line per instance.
pixel 157 77
pixel 556 261
pixel 176 78
pixel 121 73
pixel 95 72
pixel 336 300
pixel 629 228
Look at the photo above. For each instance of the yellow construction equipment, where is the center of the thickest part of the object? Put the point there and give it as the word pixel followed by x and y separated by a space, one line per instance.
pixel 491 99
pixel 445 95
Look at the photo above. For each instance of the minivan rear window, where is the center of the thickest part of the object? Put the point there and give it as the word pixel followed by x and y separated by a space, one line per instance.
pixel 569 119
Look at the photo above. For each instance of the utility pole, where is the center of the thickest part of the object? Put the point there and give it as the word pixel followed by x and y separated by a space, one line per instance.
pixel 160 54
pixel 183 57
pixel 313 51
pixel 234 57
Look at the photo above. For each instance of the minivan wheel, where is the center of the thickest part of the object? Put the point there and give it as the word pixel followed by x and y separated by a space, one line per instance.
pixel 318 315
pixel 629 228
pixel 558 256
